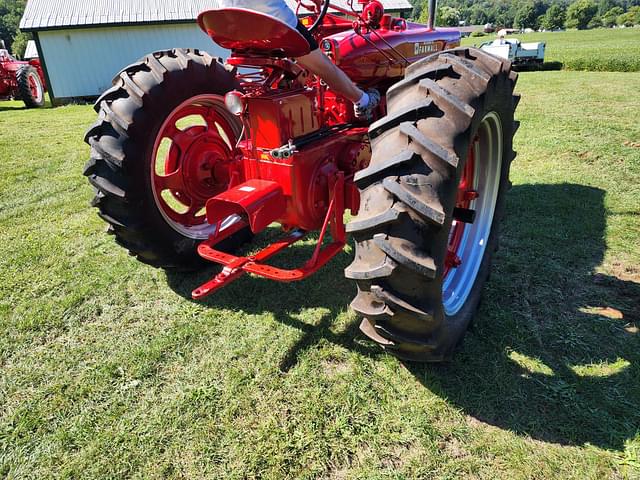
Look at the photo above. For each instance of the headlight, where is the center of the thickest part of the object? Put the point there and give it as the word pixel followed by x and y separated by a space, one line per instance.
pixel 234 101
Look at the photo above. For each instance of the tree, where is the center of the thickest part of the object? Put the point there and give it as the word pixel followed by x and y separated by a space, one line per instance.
pixel 580 13
pixel 478 15
pixel 610 18
pixel 504 14
pixel 554 18
pixel 446 16
pixel 10 14
pixel 595 22
pixel 526 17
pixel 20 44
pixel 626 19
pixel 605 5
pixel 417 8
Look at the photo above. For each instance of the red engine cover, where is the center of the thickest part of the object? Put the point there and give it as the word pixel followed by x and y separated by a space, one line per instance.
pixel 365 58
pixel 276 119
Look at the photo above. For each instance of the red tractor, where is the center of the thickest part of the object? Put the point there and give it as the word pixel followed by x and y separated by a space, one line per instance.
pixel 191 157
pixel 21 80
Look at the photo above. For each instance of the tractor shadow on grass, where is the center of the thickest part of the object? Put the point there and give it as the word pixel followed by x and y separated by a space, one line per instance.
pixel 11 109
pixel 539 67
pixel 328 291
pixel 554 353
pixel 555 350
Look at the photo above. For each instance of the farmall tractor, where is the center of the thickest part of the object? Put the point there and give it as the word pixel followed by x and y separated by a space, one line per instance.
pixel 21 80
pixel 191 157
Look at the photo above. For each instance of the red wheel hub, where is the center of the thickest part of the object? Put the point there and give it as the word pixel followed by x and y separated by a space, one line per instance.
pixel 192 160
pixel 465 197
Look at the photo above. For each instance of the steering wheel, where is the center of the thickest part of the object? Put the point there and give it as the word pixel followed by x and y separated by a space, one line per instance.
pixel 317 7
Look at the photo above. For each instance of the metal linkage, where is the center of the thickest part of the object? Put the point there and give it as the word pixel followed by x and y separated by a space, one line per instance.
pixel 235 267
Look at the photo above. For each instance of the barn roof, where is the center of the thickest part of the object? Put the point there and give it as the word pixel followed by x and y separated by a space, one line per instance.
pixel 60 14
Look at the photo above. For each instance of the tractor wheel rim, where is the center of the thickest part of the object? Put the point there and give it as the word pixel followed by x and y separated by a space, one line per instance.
pixel 192 160
pixel 35 87
pixel 478 191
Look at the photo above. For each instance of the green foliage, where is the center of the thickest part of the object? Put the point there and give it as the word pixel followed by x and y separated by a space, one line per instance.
pixel 610 18
pixel 626 19
pixel 449 17
pixel 580 13
pixel 605 5
pixel 10 14
pixel 526 17
pixel 530 13
pixel 478 15
pixel 636 14
pixel 477 34
pixel 20 44
pixel 595 22
pixel 554 18
pixel 417 8
pixel 446 16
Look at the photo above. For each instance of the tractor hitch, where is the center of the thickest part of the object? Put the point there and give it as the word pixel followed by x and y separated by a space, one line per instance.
pixel 261 201
pixel 234 267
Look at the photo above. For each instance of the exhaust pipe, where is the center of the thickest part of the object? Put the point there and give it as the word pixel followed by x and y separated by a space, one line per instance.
pixel 433 5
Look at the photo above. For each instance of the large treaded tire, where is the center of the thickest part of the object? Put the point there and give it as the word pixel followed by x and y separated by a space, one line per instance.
pixel 131 114
pixel 409 193
pixel 26 95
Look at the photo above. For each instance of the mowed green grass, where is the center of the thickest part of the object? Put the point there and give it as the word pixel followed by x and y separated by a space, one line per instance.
pixel 109 370
pixel 602 49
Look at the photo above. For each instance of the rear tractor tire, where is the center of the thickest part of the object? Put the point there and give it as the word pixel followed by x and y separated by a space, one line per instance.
pixel 432 200
pixel 160 149
pixel 30 87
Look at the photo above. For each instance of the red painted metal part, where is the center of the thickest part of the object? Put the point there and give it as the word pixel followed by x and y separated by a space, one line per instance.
pixel 9 67
pixel 261 201
pixel 283 115
pixel 198 161
pixel 235 267
pixel 371 55
pixel 302 144
pixel 239 29
pixel 465 198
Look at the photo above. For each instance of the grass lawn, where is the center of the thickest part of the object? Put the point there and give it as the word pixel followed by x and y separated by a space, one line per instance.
pixel 108 370
pixel 602 49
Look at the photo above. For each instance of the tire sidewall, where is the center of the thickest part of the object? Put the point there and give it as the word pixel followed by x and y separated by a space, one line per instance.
pixel 497 100
pixel 176 88
pixel 24 74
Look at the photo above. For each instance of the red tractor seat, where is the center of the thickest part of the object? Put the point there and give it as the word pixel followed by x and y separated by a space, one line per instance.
pixel 240 29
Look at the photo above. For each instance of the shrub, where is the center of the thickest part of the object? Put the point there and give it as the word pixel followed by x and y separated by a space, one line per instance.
pixel 626 19
pixel 554 18
pixel 610 18
pixel 580 13
pixel 596 22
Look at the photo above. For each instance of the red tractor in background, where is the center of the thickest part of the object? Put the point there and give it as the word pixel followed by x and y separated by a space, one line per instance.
pixel 191 157
pixel 21 80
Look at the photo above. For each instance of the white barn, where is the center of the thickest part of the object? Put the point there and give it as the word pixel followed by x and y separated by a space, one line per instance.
pixel 83 44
